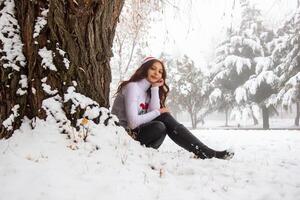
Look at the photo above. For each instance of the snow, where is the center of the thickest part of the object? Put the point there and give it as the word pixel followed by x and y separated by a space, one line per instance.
pixel 40 23
pixel 7 123
pixel 236 40
pixel 289 96
pixel 255 110
pixel 185 88
pixel 44 79
pixel 11 49
pixel 74 83
pixel 254 45
pixel 263 64
pixel 47 59
pixel 78 99
pixel 230 61
pixel 247 113
pixel 91 113
pixel 294 80
pixel 33 90
pixel 23 82
pixel 47 89
pixel 221 75
pixel 254 82
pixel 242 115
pixel 240 94
pixel 279 44
pixel 268 77
pixel 236 114
pixel 40 164
pixel 53 107
pixel 215 95
pixel 221 49
pixel 239 62
pixel 271 100
pixel 66 61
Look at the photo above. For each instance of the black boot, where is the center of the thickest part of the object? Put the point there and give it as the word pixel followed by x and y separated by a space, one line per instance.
pixel 184 138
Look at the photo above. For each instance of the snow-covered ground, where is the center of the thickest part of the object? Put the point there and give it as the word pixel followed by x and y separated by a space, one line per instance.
pixel 275 123
pixel 40 164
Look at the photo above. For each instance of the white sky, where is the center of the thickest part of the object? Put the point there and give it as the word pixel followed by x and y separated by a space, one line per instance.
pixel 197 25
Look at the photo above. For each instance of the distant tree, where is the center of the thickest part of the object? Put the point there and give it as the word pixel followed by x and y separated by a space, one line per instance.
pixel 172 76
pixel 297 118
pixel 190 90
pixel 221 101
pixel 285 50
pixel 54 55
pixel 242 72
pixel 132 35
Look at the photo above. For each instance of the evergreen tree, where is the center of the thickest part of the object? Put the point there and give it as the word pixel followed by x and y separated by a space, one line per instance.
pixel 285 50
pixel 242 71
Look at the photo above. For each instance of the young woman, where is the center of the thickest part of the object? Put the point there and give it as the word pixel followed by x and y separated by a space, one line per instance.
pixel 140 107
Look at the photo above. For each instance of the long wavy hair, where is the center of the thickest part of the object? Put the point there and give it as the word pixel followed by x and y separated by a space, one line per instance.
pixel 142 72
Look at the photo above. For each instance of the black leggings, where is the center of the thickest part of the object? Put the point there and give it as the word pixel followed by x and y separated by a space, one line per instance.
pixel 152 134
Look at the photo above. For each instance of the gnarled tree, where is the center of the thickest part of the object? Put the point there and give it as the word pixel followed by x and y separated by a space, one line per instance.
pixel 57 49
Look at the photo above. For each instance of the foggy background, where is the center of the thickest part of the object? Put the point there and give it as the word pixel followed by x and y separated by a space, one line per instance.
pixel 192 32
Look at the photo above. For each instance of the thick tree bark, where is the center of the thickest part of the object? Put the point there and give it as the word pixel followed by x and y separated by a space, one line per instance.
pixel 84 29
pixel 265 113
pixel 297 114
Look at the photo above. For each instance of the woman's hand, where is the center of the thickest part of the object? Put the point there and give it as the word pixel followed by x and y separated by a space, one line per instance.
pixel 158 83
pixel 164 110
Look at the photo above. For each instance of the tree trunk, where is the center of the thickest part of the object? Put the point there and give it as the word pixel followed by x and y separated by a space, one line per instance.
pixel 193 120
pixel 84 30
pixel 265 114
pixel 226 117
pixel 297 114
pixel 255 121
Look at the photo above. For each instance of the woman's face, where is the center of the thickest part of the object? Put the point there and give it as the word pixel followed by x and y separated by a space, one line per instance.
pixel 155 72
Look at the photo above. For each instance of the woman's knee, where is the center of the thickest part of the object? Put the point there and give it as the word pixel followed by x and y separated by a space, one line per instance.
pixel 159 126
pixel 153 134
pixel 153 129
pixel 168 120
pixel 166 114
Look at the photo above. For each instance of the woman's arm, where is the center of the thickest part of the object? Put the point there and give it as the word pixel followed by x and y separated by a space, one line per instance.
pixel 154 101
pixel 131 107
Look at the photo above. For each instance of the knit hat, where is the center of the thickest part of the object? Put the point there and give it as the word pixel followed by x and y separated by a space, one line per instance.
pixel 146 59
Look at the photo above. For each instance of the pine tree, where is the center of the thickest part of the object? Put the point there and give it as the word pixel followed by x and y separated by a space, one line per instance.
pixel 242 71
pixel 286 55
